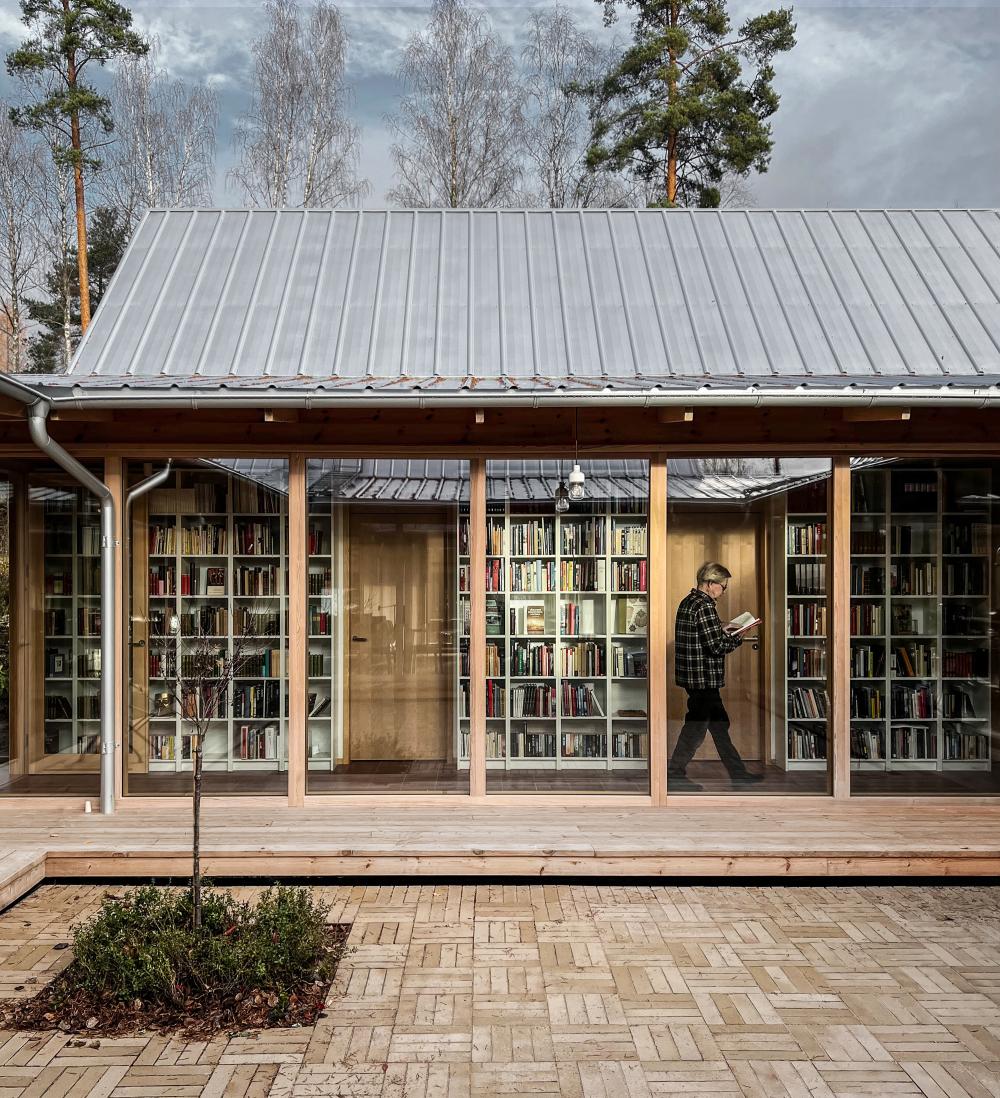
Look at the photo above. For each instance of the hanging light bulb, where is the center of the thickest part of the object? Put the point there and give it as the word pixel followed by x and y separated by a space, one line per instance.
pixel 562 498
pixel 577 483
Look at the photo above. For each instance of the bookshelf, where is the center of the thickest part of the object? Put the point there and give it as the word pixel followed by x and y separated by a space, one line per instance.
pixel 216 564
pixel 324 720
pixel 566 613
pixel 920 613
pixel 801 744
pixel 71 622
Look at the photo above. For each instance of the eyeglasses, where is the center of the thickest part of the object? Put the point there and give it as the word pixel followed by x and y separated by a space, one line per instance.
pixel 719 583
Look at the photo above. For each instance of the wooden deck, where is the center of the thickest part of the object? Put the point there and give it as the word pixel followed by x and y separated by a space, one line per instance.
pixel 266 838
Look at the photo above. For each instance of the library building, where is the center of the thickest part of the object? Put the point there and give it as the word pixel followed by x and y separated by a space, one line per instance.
pixel 637 505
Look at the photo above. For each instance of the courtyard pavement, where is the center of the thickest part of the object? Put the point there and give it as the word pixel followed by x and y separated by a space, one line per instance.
pixel 579 990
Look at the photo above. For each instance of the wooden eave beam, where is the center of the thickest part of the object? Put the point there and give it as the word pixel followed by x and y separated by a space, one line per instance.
pixel 281 415
pixel 876 415
pixel 675 415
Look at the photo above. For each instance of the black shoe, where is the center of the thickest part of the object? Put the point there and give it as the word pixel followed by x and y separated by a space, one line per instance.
pixel 746 778
pixel 681 783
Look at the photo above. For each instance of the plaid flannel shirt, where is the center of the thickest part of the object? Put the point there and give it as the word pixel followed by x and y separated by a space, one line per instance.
pixel 700 644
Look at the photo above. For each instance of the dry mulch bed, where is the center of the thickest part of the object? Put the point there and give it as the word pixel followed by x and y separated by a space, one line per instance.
pixel 53 1009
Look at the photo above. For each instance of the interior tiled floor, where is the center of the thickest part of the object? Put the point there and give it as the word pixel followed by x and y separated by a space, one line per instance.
pixel 579 990
pixel 440 776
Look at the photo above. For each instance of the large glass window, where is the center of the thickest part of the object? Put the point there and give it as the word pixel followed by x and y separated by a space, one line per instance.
pixel 747 538
pixel 566 627
pixel 388 623
pixel 924 548
pixel 209 628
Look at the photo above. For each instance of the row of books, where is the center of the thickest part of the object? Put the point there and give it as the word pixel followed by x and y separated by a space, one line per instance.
pixel 533 699
pixel 867 619
pixel 629 575
pixel 257 700
pixel 580 700
pixel 913 701
pixel 805 742
pixel 867 702
pixel 532 745
pixel 629 663
pixel 496 698
pixel 494 537
pixel 265 664
pixel 317 665
pixel 957 701
pixel 807 578
pixel 913 742
pixel 974 664
pixel 806 619
pixel 582 658
pixel 807 702
pixel 965 746
pixel 203 497
pixel 252 539
pixel 532 575
pixel 630 745
pixel 258 580
pixel 867 744
pixel 494 660
pixel 913 577
pixel 806 538
pixel 629 539
pixel 965 537
pixel 587 575
pixel 907 538
pixel 205 621
pixel 253 742
pixel 867 661
pixel 805 662
pixel 867 579
pixel 58 707
pixel 584 745
pixel 59 582
pixel 316 541
pixel 532 658
pixel 587 537
pixel 913 660
pixel 163 747
pixel 865 542
pixel 533 537
pixel 204 539
pixel 321 622
pixel 319 583
pixel 965 577
pixel 251 499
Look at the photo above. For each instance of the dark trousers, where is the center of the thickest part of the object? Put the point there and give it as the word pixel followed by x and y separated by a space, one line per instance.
pixel 705 713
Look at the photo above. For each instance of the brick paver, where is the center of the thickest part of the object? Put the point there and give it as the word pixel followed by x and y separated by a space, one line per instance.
pixel 571 990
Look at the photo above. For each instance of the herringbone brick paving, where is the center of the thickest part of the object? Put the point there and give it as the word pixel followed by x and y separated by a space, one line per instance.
pixel 570 990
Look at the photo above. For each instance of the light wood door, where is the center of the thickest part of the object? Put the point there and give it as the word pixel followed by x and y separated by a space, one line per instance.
pixel 732 538
pixel 400 640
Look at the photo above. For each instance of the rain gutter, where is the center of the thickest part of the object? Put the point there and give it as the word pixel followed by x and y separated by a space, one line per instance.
pixel 36 411
pixel 179 398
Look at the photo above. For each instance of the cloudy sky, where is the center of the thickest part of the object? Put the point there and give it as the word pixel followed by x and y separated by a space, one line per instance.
pixel 883 104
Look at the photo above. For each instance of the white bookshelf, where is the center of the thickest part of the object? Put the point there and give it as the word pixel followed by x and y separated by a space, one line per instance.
pixel 209 543
pixel 71 624
pixel 931 549
pixel 324 716
pixel 802 738
pixel 566 561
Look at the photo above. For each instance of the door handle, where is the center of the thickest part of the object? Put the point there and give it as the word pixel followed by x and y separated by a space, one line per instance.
pixel 359 639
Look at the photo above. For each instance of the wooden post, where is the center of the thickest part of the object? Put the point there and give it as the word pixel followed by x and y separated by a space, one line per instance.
pixel 657 641
pixel 114 478
pixel 477 627
pixel 19 641
pixel 839 629
pixel 298 642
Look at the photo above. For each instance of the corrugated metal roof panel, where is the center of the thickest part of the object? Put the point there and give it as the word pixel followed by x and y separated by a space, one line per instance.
pixel 627 298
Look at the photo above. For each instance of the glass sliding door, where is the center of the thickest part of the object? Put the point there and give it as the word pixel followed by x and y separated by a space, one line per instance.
pixel 388 625
pixel 748 710
pixel 207 576
pixel 566 628
pixel 924 599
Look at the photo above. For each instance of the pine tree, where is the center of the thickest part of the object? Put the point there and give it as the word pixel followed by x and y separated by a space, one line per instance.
pixel 689 101
pixel 68 35
pixel 105 247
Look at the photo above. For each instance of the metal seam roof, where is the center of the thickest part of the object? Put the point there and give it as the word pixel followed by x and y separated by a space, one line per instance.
pixel 536 300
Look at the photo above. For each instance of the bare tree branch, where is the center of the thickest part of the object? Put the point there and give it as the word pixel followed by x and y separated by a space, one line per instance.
pixel 165 150
pixel 296 144
pixel 459 130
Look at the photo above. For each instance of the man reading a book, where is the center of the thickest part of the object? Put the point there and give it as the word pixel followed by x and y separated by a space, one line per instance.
pixel 701 644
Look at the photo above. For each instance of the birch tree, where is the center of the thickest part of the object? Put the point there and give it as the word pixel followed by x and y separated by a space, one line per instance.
pixel 22 162
pixel 460 126
pixel 558 60
pixel 164 152
pixel 295 144
pixel 52 348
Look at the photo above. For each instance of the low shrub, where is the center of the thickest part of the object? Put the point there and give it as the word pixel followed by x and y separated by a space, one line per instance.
pixel 261 963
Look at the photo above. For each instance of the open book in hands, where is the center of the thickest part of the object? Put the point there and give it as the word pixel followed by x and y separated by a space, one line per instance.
pixel 741 624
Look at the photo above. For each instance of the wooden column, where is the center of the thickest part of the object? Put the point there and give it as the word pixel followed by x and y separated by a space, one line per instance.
pixel 114 478
pixel 477 627
pixel 19 640
pixel 657 646
pixel 298 641
pixel 839 628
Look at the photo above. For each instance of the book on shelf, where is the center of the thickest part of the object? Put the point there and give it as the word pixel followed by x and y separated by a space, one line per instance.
pixel 583 538
pixel 319 704
pixel 914 742
pixel 534 619
pixel 581 700
pixel 629 540
pixel 628 575
pixel 807 702
pixel 867 744
pixel 867 702
pixel 532 658
pixel 806 743
pixel 582 658
pixel 806 538
pixel 584 745
pixel 632 616
pixel 962 746
pixel 532 699
pixel 806 619
pixel 532 575
pixel 629 663
pixel 494 617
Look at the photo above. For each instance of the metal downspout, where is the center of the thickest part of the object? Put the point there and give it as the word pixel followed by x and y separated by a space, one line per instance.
pixel 154 480
pixel 38 429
